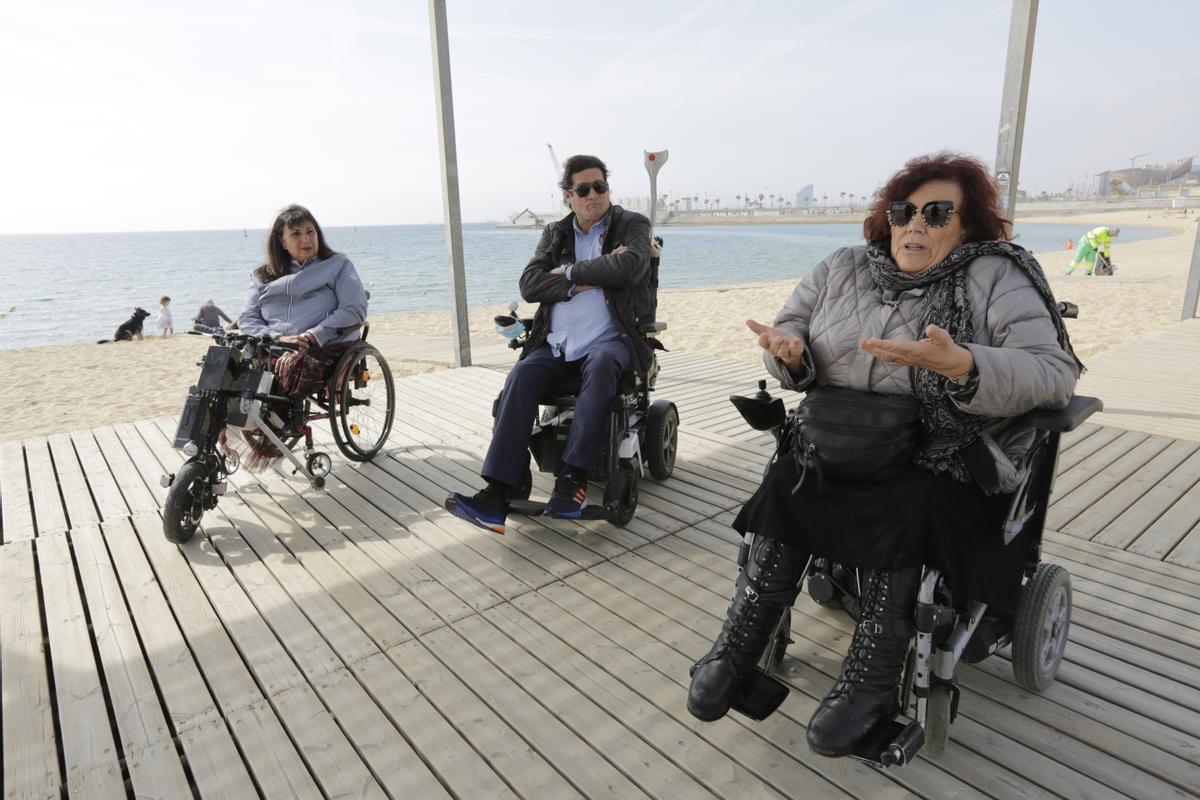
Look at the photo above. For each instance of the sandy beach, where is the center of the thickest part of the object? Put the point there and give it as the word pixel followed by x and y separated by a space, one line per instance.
pixel 64 388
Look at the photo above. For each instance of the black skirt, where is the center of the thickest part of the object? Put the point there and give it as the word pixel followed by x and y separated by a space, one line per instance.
pixel 915 518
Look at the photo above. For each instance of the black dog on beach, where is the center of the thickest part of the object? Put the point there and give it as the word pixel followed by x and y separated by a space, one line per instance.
pixel 129 328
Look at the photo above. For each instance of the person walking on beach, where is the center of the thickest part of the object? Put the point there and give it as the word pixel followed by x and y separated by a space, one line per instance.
pixel 164 323
pixel 591 275
pixel 209 317
pixel 1089 244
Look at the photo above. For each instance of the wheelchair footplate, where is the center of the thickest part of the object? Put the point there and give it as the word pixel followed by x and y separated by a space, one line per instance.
pixel 759 696
pixel 534 508
pixel 891 743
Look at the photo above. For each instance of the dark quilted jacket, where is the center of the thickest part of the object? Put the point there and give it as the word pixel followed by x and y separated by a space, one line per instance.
pixel 624 277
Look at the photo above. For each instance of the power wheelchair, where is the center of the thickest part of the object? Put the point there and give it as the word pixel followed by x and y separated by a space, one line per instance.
pixel 235 391
pixel 947 629
pixel 642 435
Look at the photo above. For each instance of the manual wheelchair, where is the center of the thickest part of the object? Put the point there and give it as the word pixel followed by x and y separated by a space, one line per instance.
pixel 642 435
pixel 947 629
pixel 234 392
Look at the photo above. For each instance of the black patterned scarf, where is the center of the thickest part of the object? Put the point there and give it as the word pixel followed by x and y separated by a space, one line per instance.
pixel 946 429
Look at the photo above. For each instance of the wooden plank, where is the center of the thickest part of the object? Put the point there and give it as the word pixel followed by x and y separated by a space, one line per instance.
pixel 1187 552
pixel 509 640
pixel 30 754
pixel 213 759
pixel 1099 476
pixel 89 750
pixel 193 654
pixel 16 509
pixel 107 494
pixel 1111 519
pixel 522 768
pixel 81 510
pixel 48 512
pixel 570 754
pixel 138 496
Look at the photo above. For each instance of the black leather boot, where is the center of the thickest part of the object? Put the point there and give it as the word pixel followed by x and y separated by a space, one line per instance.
pixel 867 692
pixel 766 586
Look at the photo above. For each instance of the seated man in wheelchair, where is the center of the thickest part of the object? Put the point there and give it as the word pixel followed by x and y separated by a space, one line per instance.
pixel 916 351
pixel 591 276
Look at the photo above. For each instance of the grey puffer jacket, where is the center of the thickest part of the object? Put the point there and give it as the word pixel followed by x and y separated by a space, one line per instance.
pixel 1020 362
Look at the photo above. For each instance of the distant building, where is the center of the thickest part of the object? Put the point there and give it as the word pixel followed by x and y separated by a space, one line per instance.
pixel 1138 178
pixel 639 204
pixel 804 197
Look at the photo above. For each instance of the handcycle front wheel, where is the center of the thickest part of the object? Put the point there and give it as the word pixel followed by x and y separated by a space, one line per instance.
pixel 185 502
pixel 362 402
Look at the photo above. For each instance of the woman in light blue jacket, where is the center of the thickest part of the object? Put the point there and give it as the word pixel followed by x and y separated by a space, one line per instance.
pixel 306 292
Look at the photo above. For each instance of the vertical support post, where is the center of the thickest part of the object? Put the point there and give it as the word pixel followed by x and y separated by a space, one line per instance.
pixel 653 161
pixel 1012 105
pixel 1192 293
pixel 451 212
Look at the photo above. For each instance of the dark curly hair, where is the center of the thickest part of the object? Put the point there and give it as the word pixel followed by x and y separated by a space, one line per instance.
pixel 579 163
pixel 981 217
pixel 277 255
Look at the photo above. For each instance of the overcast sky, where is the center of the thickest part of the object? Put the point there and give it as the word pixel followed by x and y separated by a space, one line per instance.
pixel 153 115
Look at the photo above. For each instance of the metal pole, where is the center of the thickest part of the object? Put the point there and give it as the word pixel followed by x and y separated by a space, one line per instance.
pixel 1012 105
pixel 1192 292
pixel 459 324
pixel 653 162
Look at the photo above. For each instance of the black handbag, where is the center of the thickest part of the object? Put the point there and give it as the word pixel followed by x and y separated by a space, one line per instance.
pixel 848 435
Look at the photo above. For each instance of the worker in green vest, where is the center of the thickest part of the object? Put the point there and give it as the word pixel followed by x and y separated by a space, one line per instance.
pixel 1091 242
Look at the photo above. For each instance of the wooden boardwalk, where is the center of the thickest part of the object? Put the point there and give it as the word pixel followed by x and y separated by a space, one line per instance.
pixel 361 642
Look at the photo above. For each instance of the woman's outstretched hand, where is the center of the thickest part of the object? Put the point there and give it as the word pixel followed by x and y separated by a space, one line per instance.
pixel 937 352
pixel 784 345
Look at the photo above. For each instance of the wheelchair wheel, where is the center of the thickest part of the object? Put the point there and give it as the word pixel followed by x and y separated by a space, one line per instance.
pixel 662 439
pixel 622 491
pixel 772 658
pixel 937 721
pixel 185 502
pixel 362 402
pixel 1040 630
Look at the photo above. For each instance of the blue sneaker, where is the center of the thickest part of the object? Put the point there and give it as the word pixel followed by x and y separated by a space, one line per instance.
pixel 568 499
pixel 487 509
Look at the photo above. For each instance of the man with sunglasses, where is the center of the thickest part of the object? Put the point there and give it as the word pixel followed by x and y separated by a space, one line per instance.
pixel 591 276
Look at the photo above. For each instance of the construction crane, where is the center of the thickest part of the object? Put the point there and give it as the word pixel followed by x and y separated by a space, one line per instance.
pixel 1135 158
pixel 555 164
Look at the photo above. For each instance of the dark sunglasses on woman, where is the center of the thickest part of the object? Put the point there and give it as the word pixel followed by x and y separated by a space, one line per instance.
pixel 936 213
pixel 584 189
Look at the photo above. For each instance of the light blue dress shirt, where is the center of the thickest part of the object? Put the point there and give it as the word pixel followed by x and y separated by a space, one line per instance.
pixel 578 325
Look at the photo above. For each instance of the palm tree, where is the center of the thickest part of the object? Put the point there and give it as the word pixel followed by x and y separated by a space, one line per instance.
pixel 760 199
pixel 737 197
pixel 825 200
pixel 717 203
pixel 772 195
pixel 843 198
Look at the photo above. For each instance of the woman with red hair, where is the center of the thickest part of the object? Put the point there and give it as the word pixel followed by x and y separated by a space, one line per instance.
pixel 937 313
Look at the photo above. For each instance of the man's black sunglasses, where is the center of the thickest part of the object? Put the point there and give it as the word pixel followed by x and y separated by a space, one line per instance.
pixel 584 189
pixel 936 213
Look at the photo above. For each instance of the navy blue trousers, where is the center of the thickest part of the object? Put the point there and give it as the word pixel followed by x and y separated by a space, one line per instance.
pixel 529 382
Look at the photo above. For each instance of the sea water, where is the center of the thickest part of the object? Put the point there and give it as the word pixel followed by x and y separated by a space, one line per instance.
pixel 67 288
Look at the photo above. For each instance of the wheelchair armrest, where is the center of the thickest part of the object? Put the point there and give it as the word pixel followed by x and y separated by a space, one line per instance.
pixel 1062 420
pixel 647 328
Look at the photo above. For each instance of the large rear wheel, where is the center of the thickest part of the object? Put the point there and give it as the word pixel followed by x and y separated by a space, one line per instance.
pixel 362 402
pixel 185 502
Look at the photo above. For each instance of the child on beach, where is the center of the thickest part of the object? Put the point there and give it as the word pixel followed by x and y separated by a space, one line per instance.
pixel 163 323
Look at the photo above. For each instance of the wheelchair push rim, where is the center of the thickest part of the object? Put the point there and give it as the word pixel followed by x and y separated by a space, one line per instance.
pixel 362 402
